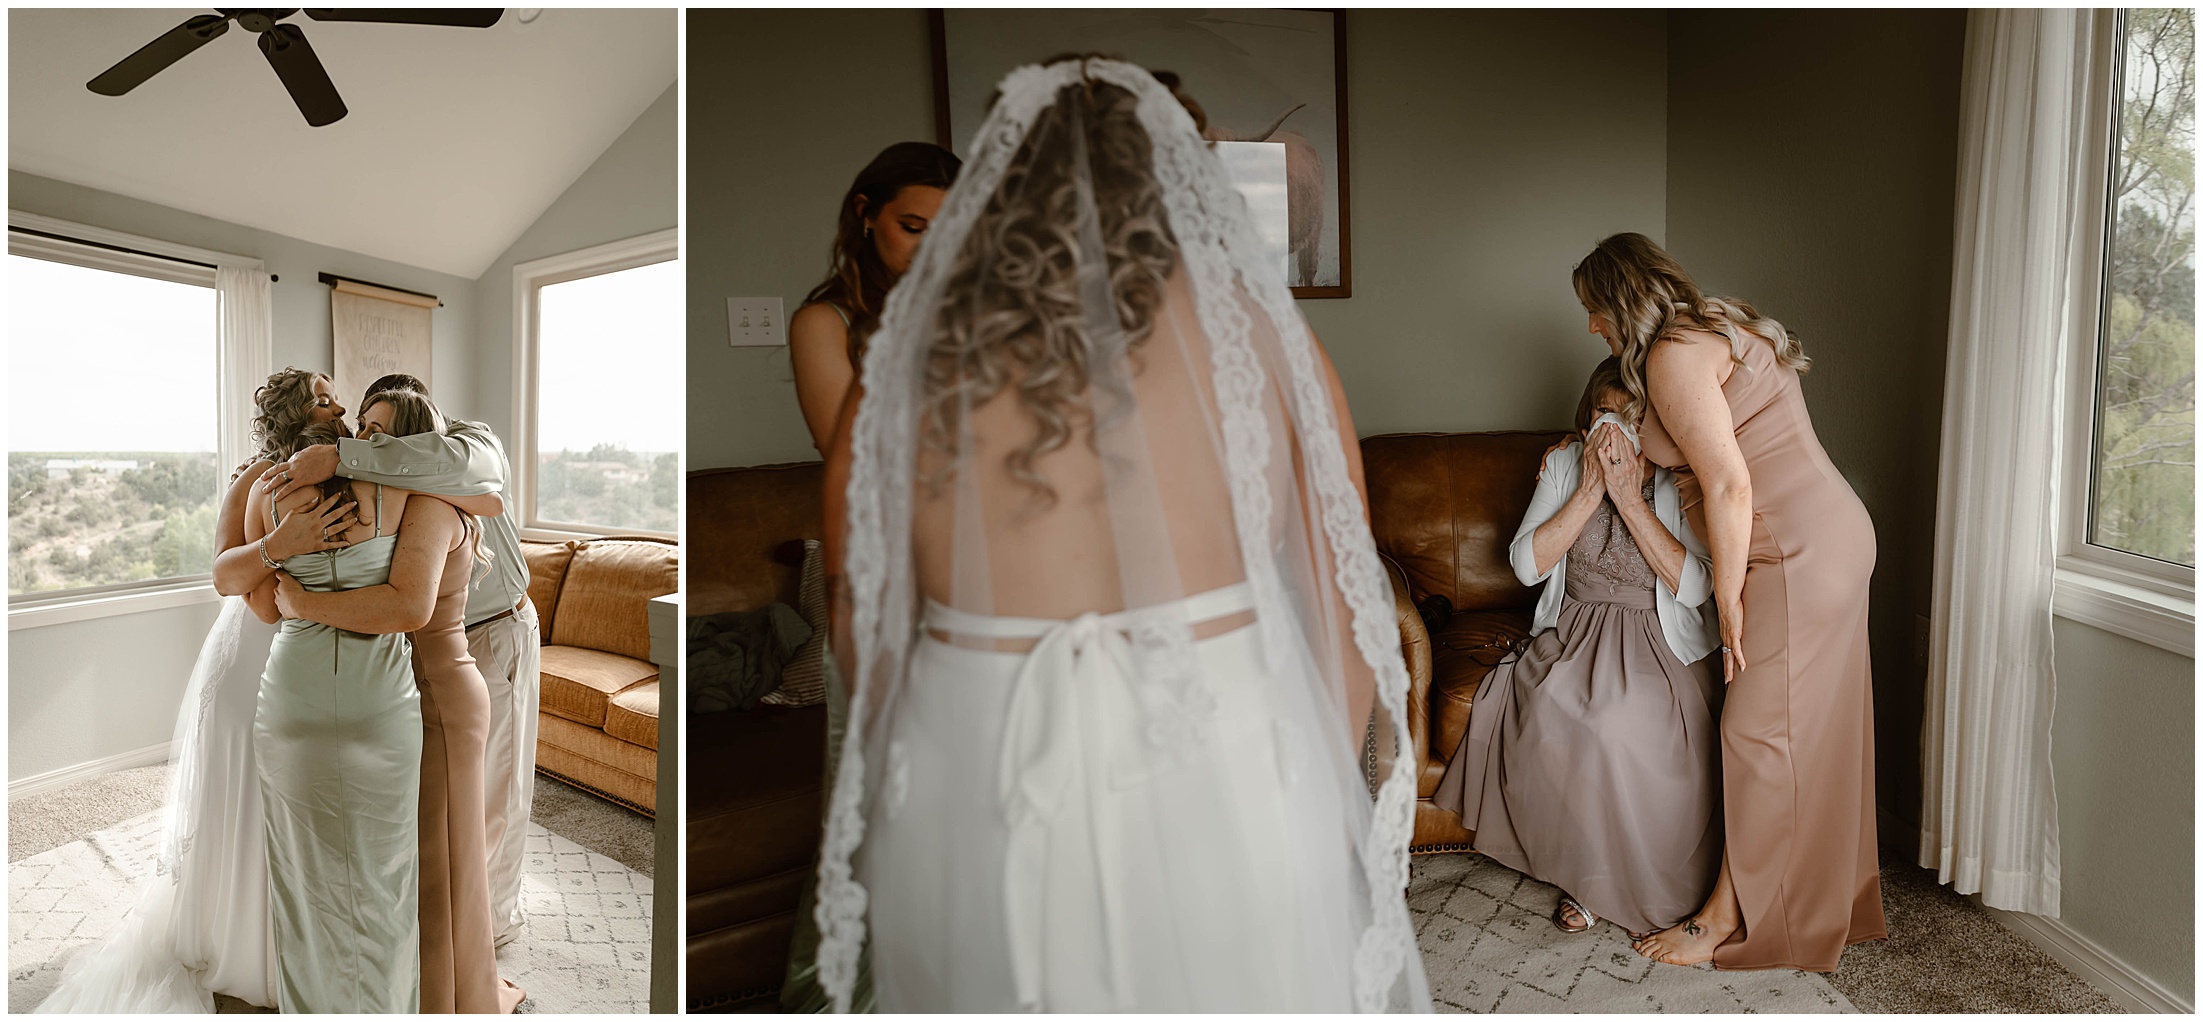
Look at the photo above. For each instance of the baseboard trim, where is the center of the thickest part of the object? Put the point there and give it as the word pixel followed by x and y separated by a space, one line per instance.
pixel 54 780
pixel 2087 959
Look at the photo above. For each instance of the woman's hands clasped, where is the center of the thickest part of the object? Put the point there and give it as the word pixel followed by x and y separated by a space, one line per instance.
pixel 287 591
pixel 1590 482
pixel 1620 466
pixel 308 531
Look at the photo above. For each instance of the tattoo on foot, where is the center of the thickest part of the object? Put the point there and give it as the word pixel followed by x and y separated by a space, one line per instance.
pixel 1691 927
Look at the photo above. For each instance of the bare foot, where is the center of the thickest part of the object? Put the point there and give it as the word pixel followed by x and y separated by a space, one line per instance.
pixel 1686 943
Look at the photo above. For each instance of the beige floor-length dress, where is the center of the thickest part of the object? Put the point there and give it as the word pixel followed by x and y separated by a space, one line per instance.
pixel 1797 725
pixel 1592 759
pixel 458 942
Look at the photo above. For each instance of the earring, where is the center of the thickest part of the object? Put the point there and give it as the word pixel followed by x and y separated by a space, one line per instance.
pixel 868 230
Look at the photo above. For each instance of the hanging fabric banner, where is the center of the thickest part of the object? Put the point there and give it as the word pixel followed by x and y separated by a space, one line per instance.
pixel 378 331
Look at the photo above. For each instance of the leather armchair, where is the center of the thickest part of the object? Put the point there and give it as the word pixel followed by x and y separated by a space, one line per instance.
pixel 1443 508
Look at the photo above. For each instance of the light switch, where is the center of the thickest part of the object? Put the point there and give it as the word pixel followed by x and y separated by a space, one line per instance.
pixel 755 322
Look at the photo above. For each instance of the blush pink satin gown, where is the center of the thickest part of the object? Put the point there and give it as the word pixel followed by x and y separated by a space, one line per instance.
pixel 1797 726
pixel 458 942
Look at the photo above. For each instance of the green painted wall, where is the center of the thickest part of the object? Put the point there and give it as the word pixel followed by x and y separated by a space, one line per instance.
pixel 1526 134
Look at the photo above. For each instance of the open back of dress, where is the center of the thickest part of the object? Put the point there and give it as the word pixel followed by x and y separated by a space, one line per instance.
pixel 1117 624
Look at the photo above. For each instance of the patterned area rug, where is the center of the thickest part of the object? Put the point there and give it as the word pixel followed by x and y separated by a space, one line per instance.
pixel 586 947
pixel 1489 945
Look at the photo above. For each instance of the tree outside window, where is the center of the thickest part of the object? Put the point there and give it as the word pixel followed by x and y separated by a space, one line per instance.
pixel 2143 493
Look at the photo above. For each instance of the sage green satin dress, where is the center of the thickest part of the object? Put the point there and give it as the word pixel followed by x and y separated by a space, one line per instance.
pixel 338 737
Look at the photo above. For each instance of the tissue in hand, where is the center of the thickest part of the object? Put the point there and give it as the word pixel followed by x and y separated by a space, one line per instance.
pixel 1616 420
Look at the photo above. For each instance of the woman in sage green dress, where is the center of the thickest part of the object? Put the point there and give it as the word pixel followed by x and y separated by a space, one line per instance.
pixel 338 737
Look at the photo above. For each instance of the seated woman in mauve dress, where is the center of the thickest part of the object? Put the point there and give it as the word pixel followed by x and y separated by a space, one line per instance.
pixel 1593 759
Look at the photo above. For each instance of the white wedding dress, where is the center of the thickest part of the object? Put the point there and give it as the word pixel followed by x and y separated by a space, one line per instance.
pixel 1115 620
pixel 1204 884
pixel 200 925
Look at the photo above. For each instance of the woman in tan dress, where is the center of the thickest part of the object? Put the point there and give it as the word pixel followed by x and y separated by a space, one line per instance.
pixel 1792 551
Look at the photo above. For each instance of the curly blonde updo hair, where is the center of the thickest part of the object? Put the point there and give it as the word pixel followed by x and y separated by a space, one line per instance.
pixel 1647 297
pixel 284 406
pixel 1019 321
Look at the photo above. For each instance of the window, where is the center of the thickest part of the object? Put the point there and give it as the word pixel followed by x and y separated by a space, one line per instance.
pixel 2128 550
pixel 113 463
pixel 2142 485
pixel 600 381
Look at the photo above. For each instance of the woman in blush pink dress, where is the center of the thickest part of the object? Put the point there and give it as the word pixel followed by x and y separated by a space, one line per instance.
pixel 1716 385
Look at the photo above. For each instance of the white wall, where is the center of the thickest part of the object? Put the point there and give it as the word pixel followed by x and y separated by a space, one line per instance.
pixel 1488 151
pixel 89 690
pixel 2122 750
pixel 631 190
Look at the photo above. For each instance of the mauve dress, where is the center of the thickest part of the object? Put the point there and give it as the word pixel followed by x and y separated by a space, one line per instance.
pixel 1797 730
pixel 1592 759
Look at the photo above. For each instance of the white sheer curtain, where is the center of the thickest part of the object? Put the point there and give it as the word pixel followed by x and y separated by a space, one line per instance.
pixel 2032 122
pixel 245 316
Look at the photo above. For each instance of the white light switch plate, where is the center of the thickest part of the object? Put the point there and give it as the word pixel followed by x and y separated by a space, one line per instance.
pixel 755 321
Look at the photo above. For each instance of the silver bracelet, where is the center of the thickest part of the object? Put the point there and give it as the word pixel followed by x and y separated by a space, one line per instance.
pixel 271 562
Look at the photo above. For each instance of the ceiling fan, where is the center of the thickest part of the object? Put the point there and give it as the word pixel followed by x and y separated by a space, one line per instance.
pixel 285 47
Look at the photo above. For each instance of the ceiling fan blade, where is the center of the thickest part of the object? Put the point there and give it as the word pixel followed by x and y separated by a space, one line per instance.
pixel 478 17
pixel 294 62
pixel 154 57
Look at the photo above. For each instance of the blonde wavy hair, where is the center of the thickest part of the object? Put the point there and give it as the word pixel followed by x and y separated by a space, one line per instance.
pixel 283 407
pixel 1019 319
pixel 1647 297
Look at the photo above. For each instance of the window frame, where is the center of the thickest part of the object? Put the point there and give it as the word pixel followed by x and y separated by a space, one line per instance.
pixel 2142 598
pixel 101 248
pixel 529 279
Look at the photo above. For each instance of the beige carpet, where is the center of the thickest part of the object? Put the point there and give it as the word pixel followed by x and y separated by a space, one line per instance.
pixel 1947 954
pixel 1489 946
pixel 586 947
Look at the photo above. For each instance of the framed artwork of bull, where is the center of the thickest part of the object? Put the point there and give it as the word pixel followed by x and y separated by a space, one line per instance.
pixel 1272 83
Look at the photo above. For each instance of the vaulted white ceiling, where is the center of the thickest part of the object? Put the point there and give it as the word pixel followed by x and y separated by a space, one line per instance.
pixel 457 140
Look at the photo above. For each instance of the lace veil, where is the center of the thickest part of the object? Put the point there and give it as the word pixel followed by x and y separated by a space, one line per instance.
pixel 1092 399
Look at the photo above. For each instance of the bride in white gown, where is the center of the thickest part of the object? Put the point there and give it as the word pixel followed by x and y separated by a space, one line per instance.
pixel 1111 606
pixel 201 924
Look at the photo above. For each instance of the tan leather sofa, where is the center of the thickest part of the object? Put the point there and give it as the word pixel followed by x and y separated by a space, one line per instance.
pixel 597 726
pixel 756 777
pixel 1443 508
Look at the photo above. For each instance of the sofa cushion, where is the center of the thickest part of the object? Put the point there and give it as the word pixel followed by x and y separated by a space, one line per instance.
pixel 756 794
pixel 589 757
pixel 605 601
pixel 547 563
pixel 633 715
pixel 741 964
pixel 1446 506
pixel 1462 653
pixel 746 530
pixel 578 684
